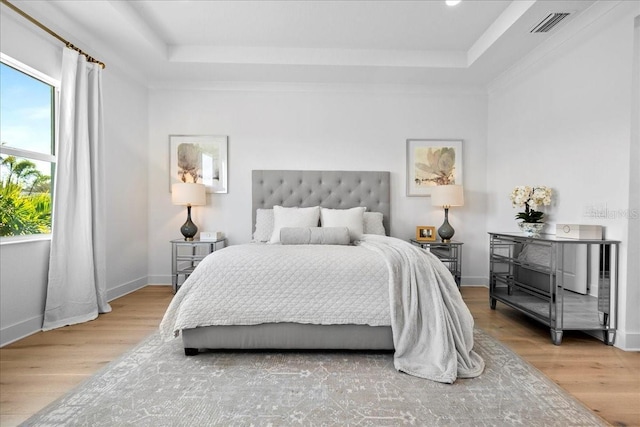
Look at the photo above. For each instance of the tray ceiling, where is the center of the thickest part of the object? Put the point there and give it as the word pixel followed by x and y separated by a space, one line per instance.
pixel 372 42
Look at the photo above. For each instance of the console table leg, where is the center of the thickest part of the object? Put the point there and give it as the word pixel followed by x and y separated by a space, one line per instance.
pixel 556 336
pixel 492 303
pixel 609 337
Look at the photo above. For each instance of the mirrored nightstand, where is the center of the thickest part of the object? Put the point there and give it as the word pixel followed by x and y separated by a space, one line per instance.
pixel 449 253
pixel 185 256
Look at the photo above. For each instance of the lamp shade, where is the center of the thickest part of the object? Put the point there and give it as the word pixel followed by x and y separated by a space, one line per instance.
pixel 188 194
pixel 447 195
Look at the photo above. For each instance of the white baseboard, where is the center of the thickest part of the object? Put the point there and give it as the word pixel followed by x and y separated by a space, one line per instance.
pixel 627 341
pixel 160 279
pixel 624 340
pixel 20 330
pixel 33 325
pixel 474 281
pixel 127 288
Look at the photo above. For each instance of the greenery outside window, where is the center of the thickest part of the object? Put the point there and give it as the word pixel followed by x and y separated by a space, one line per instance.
pixel 27 149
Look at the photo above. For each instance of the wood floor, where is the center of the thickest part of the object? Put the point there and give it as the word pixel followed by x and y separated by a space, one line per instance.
pixel 38 369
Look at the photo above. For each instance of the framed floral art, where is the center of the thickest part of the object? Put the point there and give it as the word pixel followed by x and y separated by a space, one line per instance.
pixel 432 162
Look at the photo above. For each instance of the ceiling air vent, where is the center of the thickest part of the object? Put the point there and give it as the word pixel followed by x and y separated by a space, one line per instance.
pixel 548 23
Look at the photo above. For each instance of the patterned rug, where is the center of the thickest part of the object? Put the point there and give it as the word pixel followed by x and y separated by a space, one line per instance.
pixel 156 385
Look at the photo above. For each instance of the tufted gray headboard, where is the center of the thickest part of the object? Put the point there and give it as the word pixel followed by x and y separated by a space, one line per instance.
pixel 329 189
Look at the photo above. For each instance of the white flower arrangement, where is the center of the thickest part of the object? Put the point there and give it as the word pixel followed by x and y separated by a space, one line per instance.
pixel 530 198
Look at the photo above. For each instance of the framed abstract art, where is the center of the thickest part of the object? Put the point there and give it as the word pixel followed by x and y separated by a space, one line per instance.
pixel 199 159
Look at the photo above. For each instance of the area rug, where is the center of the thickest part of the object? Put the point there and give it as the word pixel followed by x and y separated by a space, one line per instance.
pixel 156 385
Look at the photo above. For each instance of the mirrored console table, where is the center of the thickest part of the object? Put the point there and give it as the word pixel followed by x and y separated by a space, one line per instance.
pixel 531 274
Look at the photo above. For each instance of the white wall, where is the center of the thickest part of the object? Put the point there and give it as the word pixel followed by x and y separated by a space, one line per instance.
pixel 632 290
pixel 23 278
pixel 24 265
pixel 347 128
pixel 126 136
pixel 566 123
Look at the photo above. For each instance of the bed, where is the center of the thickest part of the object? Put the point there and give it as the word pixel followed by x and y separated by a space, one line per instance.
pixel 324 296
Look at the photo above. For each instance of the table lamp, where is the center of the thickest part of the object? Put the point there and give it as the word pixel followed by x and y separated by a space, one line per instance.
pixel 188 194
pixel 447 196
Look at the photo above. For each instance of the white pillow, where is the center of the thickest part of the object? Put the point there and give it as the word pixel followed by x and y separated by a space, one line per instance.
pixel 350 218
pixel 373 223
pixel 293 217
pixel 264 225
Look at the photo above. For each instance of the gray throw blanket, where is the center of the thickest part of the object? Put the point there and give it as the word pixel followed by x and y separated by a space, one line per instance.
pixel 432 326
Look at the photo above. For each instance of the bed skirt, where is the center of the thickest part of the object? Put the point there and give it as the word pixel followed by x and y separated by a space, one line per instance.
pixel 288 336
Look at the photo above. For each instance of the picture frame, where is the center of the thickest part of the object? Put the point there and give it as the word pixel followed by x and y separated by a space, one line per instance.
pixel 432 162
pixel 426 233
pixel 199 159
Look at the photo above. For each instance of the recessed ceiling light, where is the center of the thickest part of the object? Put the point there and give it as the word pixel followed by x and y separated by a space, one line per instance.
pixel 452 2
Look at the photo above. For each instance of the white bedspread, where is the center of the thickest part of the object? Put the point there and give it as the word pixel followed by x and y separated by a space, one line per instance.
pixel 252 284
pixel 255 283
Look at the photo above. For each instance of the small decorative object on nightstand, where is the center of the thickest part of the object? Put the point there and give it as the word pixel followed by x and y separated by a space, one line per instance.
pixel 447 196
pixel 425 233
pixel 450 253
pixel 208 236
pixel 186 254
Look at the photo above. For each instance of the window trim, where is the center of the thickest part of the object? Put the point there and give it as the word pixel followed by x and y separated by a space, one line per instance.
pixel 24 238
pixel 20 66
pixel 34 155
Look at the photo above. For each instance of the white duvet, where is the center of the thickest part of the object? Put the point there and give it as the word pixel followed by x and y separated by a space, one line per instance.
pixel 381 281
pixel 257 283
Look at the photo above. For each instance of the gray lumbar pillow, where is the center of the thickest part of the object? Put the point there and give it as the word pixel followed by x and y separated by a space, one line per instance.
pixel 314 236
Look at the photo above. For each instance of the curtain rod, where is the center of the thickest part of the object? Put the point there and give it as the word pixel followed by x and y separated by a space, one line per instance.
pixel 52 33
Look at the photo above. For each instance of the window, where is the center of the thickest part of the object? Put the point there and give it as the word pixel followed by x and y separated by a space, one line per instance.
pixel 27 149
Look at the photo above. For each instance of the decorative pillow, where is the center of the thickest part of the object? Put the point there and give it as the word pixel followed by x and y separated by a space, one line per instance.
pixel 350 218
pixel 373 223
pixel 264 225
pixel 315 236
pixel 293 217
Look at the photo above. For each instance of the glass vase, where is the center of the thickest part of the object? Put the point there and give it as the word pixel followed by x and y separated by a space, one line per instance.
pixel 531 229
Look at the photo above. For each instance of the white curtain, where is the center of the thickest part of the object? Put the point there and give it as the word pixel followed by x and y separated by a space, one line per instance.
pixel 77 276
